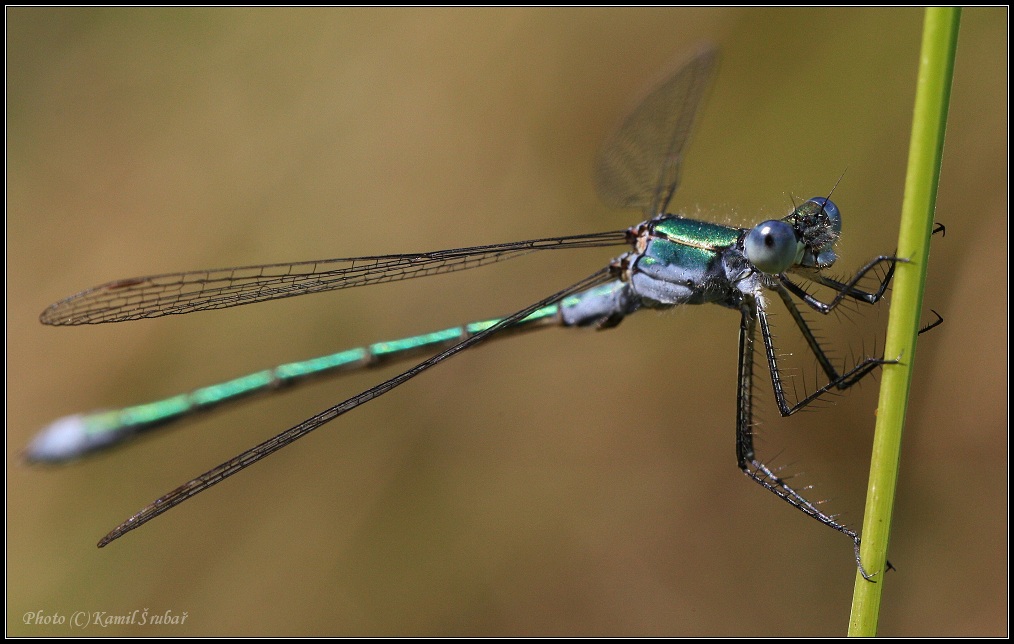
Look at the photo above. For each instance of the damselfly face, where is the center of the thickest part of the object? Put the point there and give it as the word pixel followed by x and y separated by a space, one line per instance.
pixel 818 225
pixel 804 238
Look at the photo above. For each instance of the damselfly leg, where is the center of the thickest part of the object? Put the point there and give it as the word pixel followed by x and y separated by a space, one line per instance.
pixel 754 314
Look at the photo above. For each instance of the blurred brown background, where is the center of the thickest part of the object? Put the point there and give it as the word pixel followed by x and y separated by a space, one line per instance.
pixel 563 483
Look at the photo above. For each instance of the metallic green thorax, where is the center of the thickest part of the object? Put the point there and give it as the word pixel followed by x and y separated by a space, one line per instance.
pixel 699 234
pixel 675 241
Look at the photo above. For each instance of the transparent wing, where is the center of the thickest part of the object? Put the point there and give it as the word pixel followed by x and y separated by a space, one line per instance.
pixel 639 164
pixel 178 293
pixel 251 456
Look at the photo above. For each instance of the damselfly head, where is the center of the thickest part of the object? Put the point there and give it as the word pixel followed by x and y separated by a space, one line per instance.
pixel 817 223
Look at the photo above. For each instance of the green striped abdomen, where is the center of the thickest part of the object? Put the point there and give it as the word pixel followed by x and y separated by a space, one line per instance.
pixel 75 436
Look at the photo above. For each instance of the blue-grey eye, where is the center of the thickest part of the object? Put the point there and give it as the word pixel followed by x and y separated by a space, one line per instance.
pixel 832 212
pixel 771 246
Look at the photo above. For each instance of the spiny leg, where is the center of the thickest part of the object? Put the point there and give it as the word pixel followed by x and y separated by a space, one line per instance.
pixel 844 289
pixel 840 381
pixel 848 288
pixel 745 453
pixel 932 325
pixel 752 311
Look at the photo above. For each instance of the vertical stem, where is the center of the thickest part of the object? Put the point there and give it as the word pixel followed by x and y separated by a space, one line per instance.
pixel 940 34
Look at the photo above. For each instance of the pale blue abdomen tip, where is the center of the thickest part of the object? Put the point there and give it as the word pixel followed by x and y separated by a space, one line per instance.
pixel 63 440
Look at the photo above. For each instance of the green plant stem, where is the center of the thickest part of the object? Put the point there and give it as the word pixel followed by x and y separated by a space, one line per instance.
pixel 940 34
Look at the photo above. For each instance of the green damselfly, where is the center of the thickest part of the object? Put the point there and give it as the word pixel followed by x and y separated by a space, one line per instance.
pixel 673 261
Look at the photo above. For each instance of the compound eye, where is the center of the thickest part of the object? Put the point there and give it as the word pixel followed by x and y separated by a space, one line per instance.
pixel 832 212
pixel 771 246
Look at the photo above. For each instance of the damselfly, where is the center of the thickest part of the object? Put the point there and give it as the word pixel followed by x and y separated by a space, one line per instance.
pixel 673 261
